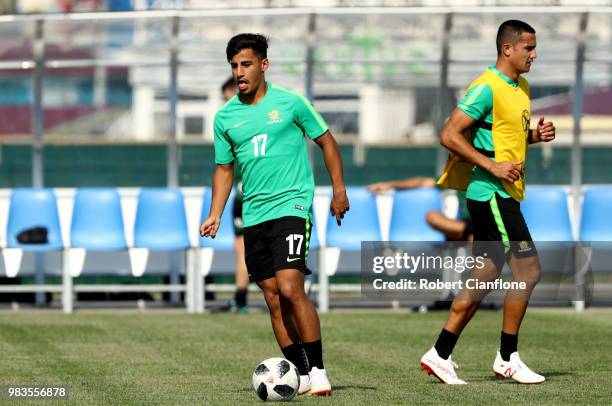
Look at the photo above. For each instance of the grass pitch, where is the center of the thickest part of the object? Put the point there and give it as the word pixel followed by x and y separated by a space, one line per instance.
pixel 166 357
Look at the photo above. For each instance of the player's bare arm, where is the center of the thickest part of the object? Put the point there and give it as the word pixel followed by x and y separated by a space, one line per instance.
pixel 410 183
pixel 333 161
pixel 544 132
pixel 222 181
pixel 452 139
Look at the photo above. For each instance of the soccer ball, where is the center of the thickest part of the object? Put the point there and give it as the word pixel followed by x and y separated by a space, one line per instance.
pixel 276 380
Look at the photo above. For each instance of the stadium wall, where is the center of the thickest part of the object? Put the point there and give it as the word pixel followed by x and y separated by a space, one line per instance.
pixel 145 165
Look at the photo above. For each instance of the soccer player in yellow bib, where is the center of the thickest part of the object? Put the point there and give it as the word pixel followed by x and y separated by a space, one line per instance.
pixel 487 136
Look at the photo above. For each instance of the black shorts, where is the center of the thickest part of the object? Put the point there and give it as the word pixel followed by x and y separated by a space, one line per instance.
pixel 500 229
pixel 275 245
pixel 237 214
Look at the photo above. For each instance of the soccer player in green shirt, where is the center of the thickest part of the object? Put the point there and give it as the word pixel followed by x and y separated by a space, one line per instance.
pixel 264 129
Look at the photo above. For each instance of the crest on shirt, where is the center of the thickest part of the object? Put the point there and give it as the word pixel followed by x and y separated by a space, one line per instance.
pixel 274 117
pixel 526 121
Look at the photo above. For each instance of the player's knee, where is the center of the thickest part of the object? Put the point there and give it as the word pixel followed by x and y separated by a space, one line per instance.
pixel 531 272
pixel 491 272
pixel 292 292
pixel 460 307
pixel 533 276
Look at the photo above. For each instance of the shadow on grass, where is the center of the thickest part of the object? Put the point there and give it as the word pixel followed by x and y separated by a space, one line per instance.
pixel 547 375
pixel 556 373
pixel 359 387
pixel 337 388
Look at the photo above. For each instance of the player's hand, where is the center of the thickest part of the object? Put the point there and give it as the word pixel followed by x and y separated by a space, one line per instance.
pixel 545 130
pixel 209 227
pixel 339 205
pixel 378 187
pixel 510 171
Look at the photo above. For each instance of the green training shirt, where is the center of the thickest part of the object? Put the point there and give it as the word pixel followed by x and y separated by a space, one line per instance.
pixel 267 140
pixel 478 104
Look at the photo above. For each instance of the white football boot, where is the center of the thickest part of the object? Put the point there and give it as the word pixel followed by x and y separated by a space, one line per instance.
pixel 515 369
pixel 319 384
pixel 304 384
pixel 443 369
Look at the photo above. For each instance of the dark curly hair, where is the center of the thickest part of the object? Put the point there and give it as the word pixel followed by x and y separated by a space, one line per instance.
pixel 257 42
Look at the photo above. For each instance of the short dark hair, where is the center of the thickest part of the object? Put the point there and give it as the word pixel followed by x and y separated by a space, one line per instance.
pixel 257 42
pixel 229 83
pixel 510 32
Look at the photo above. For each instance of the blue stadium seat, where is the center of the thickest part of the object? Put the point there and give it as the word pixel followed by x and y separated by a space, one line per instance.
pixel 596 231
pixel 546 214
pixel 31 208
pixel 97 221
pixel 596 224
pixel 359 224
pixel 161 223
pixel 408 215
pixel 225 235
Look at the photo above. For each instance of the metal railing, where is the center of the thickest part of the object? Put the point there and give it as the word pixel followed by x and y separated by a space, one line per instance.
pixel 171 54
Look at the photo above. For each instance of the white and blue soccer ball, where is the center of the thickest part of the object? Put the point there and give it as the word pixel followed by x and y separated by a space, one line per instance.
pixel 276 380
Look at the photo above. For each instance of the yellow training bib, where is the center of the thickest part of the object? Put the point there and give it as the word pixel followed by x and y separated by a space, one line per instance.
pixel 510 132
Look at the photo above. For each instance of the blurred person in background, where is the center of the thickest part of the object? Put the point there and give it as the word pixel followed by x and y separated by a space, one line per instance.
pixel 239 304
pixel 460 229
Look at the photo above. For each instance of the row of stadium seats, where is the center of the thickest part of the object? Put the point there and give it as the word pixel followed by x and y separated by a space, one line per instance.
pixel 162 222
